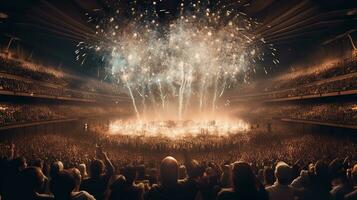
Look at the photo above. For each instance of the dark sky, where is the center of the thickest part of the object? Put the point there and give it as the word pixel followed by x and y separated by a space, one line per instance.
pixel 39 25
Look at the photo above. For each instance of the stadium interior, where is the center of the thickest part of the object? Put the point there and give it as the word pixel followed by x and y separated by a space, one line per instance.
pixel 178 99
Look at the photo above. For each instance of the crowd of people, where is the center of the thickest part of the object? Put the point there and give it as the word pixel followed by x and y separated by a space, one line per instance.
pixel 16 67
pixel 269 166
pixel 17 86
pixel 335 112
pixel 306 83
pixel 37 82
pixel 338 68
pixel 318 89
pixel 11 113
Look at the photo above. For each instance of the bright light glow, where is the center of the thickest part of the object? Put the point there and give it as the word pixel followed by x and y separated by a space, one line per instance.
pixel 196 57
pixel 176 129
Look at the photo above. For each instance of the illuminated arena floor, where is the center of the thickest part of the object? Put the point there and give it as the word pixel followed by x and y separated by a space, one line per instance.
pixel 176 129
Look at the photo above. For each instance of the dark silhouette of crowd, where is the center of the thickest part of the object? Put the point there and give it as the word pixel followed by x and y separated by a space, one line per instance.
pixel 72 168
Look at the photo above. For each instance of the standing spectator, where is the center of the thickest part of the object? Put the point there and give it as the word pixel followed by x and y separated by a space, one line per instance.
pixel 281 188
pixel 66 185
pixel 169 189
pixel 30 181
pixel 191 183
pixel 83 169
pixel 245 185
pixel 98 181
pixel 269 178
pixel 132 191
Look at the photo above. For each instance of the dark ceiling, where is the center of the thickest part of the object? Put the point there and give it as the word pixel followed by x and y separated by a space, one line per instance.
pixel 50 29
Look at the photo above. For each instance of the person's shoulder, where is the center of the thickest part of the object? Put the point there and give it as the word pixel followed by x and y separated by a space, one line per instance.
pixel 154 188
pixel 187 182
pixel 139 186
pixel 86 180
pixel 336 189
pixel 352 195
pixel 153 192
pixel 44 197
pixel 270 188
pixel 82 195
pixel 227 193
pixel 135 189
pixel 294 188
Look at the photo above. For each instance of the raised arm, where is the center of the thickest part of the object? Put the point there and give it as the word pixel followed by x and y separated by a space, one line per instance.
pixel 108 164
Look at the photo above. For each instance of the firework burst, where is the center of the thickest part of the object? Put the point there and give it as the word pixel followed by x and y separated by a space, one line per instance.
pixel 181 66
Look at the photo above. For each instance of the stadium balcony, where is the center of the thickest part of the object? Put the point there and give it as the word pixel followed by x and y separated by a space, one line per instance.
pixel 338 80
pixel 19 80
pixel 13 115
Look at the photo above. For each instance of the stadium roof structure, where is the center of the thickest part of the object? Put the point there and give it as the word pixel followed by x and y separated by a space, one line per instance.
pixel 43 26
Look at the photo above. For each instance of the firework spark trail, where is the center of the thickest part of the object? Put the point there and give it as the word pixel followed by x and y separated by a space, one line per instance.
pixel 181 91
pixel 202 93
pixel 153 100
pixel 223 88
pixel 200 51
pixel 133 100
pixel 215 94
pixel 143 99
pixel 161 95
pixel 189 91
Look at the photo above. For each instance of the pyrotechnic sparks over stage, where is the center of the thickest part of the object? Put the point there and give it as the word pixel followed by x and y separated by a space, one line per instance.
pixel 177 129
pixel 183 66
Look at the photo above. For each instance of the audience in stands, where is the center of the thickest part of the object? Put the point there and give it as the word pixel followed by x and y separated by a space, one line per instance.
pixel 344 113
pixel 51 166
pixel 12 114
pixel 306 83
pixel 52 172
pixel 16 76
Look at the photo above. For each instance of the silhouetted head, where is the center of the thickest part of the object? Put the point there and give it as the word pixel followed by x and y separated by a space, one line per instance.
pixel 83 169
pixel 269 177
pixel 96 168
pixel 193 169
pixel 169 171
pixel 321 169
pixel 38 163
pixel 77 177
pixel 130 174
pixel 65 183
pixel 182 173
pixel 18 164
pixel 117 188
pixel 243 177
pixel 31 179
pixel 119 183
pixel 56 168
pixel 141 170
pixel 336 171
pixel 283 173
